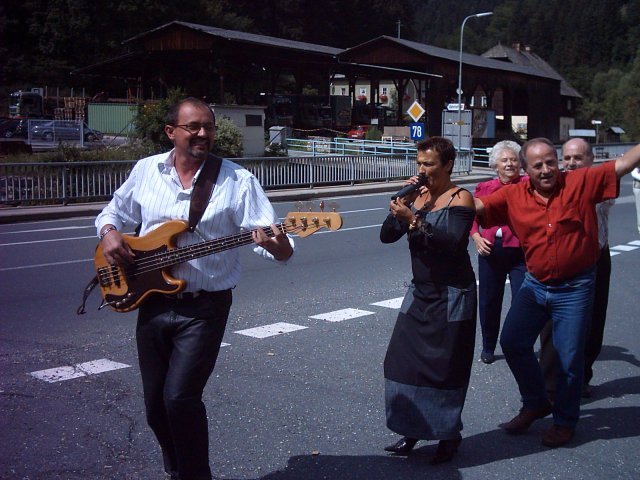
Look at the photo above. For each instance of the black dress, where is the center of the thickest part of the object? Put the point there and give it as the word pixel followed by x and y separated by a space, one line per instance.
pixel 429 357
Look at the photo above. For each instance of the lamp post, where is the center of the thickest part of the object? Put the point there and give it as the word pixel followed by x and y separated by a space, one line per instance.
pixel 477 15
pixel 597 123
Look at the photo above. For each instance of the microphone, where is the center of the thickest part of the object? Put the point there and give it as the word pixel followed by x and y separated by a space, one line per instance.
pixel 410 188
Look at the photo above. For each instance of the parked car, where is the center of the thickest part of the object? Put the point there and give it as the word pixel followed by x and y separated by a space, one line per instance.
pixel 54 130
pixel 13 128
pixel 359 132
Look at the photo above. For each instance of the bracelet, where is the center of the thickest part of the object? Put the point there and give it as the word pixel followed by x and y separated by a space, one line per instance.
pixel 105 231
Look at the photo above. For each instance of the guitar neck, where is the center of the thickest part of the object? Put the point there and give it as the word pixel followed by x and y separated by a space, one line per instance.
pixel 209 247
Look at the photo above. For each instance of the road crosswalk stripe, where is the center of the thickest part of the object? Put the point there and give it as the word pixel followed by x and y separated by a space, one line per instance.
pixel 341 315
pixel 624 248
pixel 60 374
pixel 393 303
pixel 270 330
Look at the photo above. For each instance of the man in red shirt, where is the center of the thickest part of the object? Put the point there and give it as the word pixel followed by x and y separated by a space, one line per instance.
pixel 554 216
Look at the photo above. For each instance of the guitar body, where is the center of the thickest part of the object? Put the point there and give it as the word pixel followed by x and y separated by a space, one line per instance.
pixel 124 289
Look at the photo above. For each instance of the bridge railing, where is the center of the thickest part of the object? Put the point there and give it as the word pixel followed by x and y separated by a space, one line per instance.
pixel 65 182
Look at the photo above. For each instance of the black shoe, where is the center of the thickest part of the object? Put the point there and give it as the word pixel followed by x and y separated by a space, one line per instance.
pixel 402 446
pixel 447 449
pixel 487 357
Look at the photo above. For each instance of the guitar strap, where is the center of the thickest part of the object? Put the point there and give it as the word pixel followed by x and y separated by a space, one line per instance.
pixel 202 189
pixel 199 201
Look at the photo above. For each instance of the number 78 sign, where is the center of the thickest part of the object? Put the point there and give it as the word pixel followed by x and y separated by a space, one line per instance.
pixel 416 131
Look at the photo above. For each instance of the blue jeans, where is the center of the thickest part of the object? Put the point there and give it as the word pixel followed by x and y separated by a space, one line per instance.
pixel 568 304
pixel 492 274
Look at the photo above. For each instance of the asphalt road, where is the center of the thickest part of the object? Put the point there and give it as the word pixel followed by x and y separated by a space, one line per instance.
pixel 306 403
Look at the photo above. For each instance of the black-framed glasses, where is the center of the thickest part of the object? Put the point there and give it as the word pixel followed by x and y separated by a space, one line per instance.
pixel 194 128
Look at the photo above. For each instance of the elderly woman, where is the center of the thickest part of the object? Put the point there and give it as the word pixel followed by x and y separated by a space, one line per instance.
pixel 429 357
pixel 499 252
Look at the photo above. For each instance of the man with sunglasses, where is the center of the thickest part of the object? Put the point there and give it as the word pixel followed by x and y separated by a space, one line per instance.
pixel 179 336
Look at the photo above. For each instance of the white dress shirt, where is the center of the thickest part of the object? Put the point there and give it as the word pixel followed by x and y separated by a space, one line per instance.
pixel 602 213
pixel 153 195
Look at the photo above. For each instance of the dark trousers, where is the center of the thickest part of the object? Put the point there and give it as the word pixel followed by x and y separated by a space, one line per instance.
pixel 593 345
pixel 492 274
pixel 178 344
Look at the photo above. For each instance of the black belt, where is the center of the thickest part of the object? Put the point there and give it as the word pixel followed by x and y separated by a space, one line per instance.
pixel 186 295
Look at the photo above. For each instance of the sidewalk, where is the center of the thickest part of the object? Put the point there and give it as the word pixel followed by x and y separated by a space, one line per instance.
pixel 53 212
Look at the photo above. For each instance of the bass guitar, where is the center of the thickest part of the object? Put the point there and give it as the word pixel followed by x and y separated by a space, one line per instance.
pixel 125 287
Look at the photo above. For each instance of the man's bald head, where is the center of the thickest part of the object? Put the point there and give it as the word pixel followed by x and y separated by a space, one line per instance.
pixel 576 153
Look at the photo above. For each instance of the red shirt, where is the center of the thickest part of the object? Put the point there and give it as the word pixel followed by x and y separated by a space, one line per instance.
pixel 560 238
pixel 482 190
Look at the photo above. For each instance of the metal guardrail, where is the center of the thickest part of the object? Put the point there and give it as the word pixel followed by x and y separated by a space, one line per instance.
pixel 350 146
pixel 64 182
pixel 60 182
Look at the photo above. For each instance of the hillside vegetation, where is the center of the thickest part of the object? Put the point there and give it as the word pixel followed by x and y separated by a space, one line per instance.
pixel 594 44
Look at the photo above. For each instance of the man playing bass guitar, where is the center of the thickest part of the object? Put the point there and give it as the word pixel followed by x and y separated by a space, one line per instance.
pixel 178 335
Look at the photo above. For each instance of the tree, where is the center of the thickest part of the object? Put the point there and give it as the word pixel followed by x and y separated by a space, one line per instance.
pixel 150 121
pixel 228 142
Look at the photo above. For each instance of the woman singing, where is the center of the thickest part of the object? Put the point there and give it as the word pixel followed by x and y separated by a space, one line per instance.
pixel 429 357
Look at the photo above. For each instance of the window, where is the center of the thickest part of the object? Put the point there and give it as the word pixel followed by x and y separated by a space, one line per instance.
pixel 253 120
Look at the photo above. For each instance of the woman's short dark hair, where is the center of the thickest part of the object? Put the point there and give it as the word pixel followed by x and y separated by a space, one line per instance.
pixel 171 118
pixel 442 146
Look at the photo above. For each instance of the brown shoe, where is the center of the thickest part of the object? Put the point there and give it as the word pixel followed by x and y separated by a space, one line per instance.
pixel 524 419
pixel 557 436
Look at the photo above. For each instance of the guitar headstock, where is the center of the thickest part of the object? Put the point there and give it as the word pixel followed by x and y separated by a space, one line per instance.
pixel 304 224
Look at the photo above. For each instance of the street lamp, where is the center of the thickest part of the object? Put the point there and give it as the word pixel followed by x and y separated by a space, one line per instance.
pixel 597 123
pixel 477 15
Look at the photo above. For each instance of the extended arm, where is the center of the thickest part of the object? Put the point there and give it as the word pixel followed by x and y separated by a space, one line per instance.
pixel 628 161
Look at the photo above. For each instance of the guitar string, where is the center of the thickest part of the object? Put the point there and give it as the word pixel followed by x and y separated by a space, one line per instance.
pixel 169 257
pixel 181 254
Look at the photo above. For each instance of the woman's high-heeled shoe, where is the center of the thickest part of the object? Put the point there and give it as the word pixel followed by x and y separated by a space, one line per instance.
pixel 446 450
pixel 402 446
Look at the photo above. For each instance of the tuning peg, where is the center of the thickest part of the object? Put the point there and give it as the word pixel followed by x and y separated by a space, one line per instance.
pixel 321 205
pixel 334 206
pixel 298 206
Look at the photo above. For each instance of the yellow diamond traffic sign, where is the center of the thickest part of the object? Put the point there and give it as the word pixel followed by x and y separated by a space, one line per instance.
pixel 416 111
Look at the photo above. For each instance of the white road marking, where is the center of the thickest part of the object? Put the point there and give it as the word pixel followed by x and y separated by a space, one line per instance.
pixel 47 241
pixel 94 367
pixel 624 248
pixel 53 264
pixel 340 315
pixel 635 242
pixel 393 303
pixel 270 330
pixel 223 344
pixel 56 229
